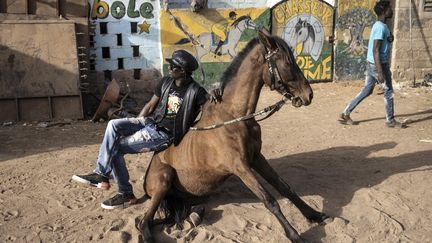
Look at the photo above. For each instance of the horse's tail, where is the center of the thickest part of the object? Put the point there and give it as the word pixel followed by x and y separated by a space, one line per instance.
pixel 176 208
pixel 182 41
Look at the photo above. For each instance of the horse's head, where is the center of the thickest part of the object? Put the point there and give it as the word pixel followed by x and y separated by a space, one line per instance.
pixel 197 5
pixel 302 29
pixel 282 73
pixel 244 22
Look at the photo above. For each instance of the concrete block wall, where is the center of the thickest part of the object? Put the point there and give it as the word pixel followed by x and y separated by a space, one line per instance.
pixel 121 38
pixel 412 48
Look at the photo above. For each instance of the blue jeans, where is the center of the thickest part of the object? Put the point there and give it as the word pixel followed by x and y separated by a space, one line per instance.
pixel 127 136
pixel 371 80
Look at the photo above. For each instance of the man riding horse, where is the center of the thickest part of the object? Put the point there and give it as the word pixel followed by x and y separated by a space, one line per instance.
pixel 165 119
pixel 221 29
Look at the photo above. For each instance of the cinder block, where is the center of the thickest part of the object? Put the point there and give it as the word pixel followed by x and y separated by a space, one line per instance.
pixel 151 41
pixel 150 53
pixel 154 63
pixel 102 65
pixel 115 27
pixel 105 40
pixel 134 40
pixel 135 63
pixel 121 52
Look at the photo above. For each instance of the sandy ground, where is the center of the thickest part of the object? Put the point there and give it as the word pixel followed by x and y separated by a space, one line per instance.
pixel 375 180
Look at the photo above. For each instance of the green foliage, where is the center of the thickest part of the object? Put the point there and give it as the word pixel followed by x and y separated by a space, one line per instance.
pixel 356 15
pixel 349 67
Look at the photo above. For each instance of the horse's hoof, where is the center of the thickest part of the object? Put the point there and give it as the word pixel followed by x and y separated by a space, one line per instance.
pixel 195 219
pixel 326 220
pixel 196 215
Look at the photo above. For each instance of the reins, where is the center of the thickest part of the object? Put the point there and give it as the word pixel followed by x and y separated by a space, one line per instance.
pixel 275 83
pixel 270 110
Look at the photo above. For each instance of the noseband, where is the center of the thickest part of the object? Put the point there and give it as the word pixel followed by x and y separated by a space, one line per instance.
pixel 275 78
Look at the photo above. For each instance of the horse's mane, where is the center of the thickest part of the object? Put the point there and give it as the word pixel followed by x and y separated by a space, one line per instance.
pixel 283 46
pixel 232 69
pixel 239 19
pixel 289 57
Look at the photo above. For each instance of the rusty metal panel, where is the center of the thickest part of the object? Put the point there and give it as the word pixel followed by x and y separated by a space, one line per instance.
pixel 75 8
pixel 16 6
pixel 34 109
pixel 47 8
pixel 66 107
pixel 8 110
pixel 38 62
pixel 40 65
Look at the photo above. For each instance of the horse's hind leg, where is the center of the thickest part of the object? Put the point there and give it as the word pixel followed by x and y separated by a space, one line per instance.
pixel 157 183
pixel 249 179
pixel 262 167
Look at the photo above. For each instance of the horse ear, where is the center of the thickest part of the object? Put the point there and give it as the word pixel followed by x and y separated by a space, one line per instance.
pixel 265 38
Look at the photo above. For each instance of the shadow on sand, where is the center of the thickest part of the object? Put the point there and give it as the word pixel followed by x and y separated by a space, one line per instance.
pixel 334 174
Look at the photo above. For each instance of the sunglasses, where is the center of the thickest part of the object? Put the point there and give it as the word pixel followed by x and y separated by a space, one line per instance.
pixel 172 67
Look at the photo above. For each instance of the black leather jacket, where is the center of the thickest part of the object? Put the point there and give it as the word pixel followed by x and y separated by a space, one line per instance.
pixel 188 111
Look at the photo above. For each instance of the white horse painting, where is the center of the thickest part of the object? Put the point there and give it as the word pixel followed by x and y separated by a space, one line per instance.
pixel 305 35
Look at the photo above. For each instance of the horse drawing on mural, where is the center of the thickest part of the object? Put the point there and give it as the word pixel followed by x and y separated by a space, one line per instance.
pixel 305 36
pixel 205 159
pixel 207 44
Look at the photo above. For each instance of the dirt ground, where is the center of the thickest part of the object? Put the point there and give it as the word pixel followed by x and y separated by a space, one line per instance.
pixel 376 181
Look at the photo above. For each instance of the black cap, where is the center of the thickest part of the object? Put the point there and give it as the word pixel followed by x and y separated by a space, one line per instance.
pixel 183 59
pixel 232 14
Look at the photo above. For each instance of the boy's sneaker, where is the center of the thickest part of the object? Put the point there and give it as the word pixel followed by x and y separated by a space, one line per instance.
pixel 93 179
pixel 346 119
pixel 394 123
pixel 119 200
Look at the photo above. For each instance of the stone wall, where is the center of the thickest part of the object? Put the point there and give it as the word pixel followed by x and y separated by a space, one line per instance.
pixel 412 48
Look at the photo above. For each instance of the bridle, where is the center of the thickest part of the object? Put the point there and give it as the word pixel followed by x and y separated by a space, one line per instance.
pixel 275 83
pixel 275 78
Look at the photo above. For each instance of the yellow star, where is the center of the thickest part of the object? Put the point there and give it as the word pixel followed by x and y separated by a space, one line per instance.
pixel 144 27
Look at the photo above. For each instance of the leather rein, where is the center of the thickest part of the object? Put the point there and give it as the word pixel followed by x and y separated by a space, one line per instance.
pixel 275 83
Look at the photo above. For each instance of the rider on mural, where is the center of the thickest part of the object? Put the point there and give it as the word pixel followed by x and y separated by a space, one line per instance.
pixel 221 29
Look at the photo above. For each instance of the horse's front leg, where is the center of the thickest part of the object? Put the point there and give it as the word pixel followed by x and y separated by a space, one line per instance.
pixel 262 167
pixel 231 51
pixel 249 179
pixel 158 182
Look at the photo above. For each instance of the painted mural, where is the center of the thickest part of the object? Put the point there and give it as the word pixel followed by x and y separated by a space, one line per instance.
pixel 306 26
pixel 214 36
pixel 354 22
pixel 126 34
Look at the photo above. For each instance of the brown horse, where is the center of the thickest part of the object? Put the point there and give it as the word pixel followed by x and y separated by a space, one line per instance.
pixel 205 159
